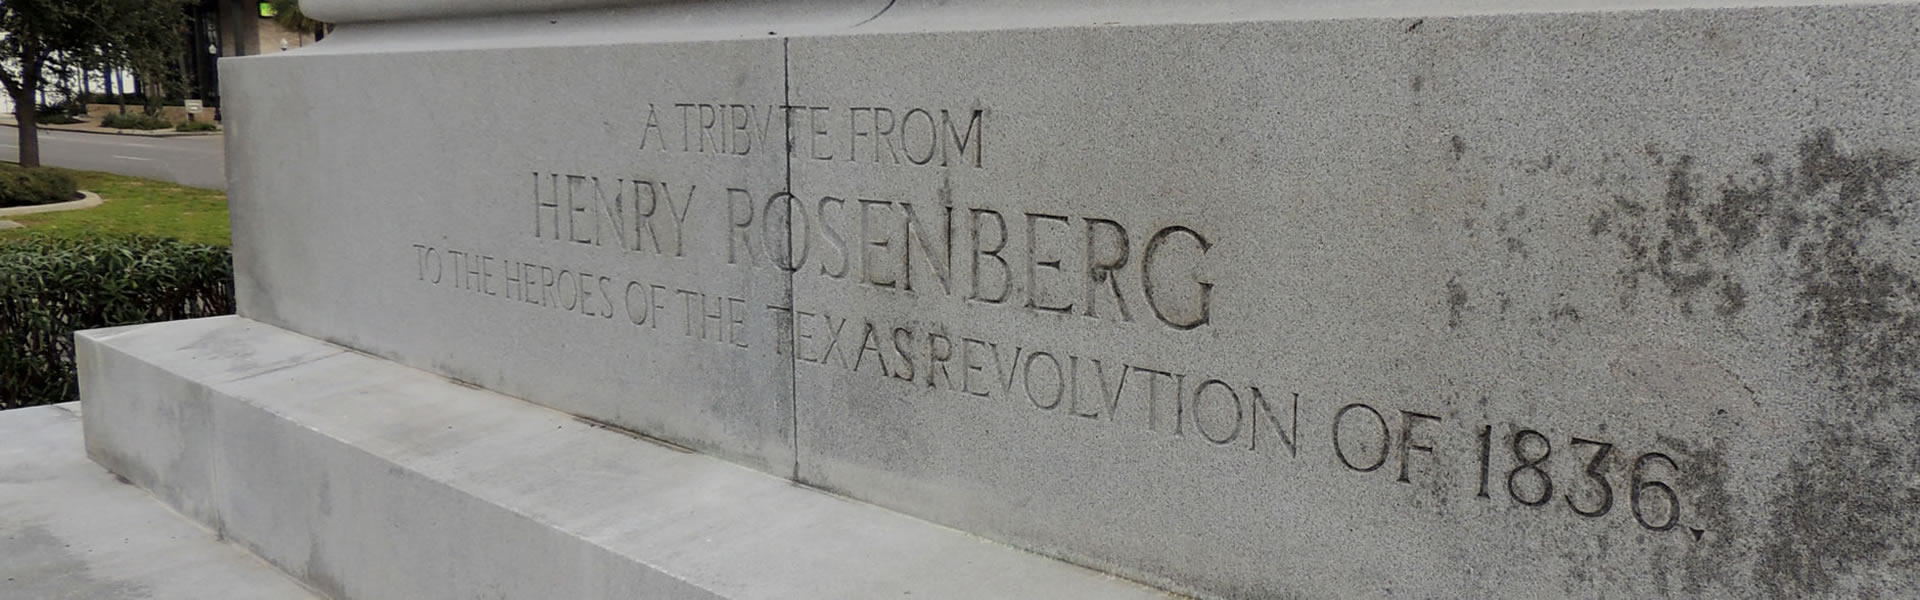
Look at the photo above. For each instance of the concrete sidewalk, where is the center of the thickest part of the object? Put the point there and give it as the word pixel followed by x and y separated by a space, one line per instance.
pixel 94 127
pixel 69 530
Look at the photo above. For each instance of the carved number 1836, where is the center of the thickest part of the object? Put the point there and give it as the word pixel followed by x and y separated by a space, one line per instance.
pixel 1654 504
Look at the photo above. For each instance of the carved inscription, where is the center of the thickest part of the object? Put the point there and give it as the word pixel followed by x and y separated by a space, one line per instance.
pixel 1083 265
pixel 1518 465
pixel 896 136
pixel 653 307
pixel 1034 261
pixel 1221 410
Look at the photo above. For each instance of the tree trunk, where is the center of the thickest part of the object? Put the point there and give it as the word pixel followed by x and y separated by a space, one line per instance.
pixel 28 125
pixel 118 91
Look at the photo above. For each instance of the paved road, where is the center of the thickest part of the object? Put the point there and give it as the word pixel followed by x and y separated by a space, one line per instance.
pixel 199 161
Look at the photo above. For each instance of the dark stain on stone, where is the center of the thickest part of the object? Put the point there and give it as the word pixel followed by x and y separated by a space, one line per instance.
pixel 1847 505
pixel 1733 297
pixel 1738 215
pixel 1827 228
pixel 1862 316
pixel 1680 283
pixel 1683 243
pixel 1847 510
pixel 325 495
pixel 1515 246
pixel 1742 210
pixel 1636 247
pixel 1662 568
pixel 1842 524
pixel 1862 312
pixel 1565 311
pixel 1671 250
pixel 320 575
pixel 55 568
pixel 1705 519
pixel 1628 206
pixel 1536 167
pixel 1419 82
pixel 1459 147
pixel 1456 301
pixel 1788 222
pixel 1578 573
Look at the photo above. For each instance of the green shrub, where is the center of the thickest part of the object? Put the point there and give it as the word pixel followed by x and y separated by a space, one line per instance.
pixel 21 186
pixel 52 286
pixel 197 126
pixel 134 120
pixel 58 118
pixel 71 107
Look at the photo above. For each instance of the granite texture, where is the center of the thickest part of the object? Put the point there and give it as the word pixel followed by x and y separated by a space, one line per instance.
pixel 501 232
pixel 1398 304
pixel 1637 261
pixel 367 479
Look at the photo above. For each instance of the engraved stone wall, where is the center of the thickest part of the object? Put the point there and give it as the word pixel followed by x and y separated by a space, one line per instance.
pixel 1608 303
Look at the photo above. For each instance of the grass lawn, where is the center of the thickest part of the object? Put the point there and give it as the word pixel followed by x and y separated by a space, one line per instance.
pixel 136 205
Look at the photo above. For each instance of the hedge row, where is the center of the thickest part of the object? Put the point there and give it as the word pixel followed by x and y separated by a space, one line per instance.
pixel 134 120
pixel 25 187
pixel 52 286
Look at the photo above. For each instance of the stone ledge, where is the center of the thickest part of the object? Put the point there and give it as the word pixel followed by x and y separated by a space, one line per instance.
pixel 72 531
pixel 367 479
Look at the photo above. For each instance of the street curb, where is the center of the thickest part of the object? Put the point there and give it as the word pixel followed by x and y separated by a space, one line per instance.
pixel 87 200
pixel 122 132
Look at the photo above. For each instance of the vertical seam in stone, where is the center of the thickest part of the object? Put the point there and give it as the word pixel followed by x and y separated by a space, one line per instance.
pixel 793 300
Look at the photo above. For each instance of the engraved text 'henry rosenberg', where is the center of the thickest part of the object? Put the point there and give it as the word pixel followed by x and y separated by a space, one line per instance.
pixel 1052 263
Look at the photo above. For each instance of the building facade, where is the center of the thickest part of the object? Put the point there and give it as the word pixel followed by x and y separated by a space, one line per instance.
pixel 223 28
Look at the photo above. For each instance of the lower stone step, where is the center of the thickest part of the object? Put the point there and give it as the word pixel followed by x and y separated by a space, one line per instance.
pixel 366 479
pixel 68 529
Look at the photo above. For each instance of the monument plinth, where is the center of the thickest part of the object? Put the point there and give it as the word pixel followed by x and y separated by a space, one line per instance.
pixel 1314 300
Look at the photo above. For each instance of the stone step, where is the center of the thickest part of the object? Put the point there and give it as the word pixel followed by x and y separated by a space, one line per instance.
pixel 366 479
pixel 68 529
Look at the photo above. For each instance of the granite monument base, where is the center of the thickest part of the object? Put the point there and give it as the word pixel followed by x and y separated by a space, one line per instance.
pixel 366 479
pixel 1235 299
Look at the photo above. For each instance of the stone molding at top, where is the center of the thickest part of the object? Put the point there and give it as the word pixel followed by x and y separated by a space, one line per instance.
pixel 923 15
pixel 353 11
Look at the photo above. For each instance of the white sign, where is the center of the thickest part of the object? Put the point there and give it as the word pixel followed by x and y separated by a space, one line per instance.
pixel 194 106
